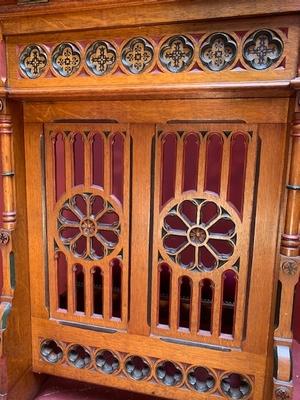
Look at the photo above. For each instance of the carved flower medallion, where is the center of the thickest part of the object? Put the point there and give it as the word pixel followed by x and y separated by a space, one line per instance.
pixel 218 51
pixel 198 235
pixel 176 54
pixel 66 59
pixel 88 226
pixel 101 57
pixel 262 49
pixel 137 55
pixel 33 61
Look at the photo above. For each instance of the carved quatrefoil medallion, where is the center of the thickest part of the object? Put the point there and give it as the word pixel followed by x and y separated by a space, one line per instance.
pixel 66 59
pixel 33 61
pixel 176 53
pixel 262 49
pixel 101 57
pixel 137 55
pixel 218 51
pixel 88 226
pixel 198 235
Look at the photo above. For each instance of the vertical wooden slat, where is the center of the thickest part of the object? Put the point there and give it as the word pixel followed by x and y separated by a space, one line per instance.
pixel 195 311
pixel 201 164
pixel 175 302
pixel 107 165
pixel 179 167
pixel 69 164
pixel 225 167
pixel 140 228
pixel 87 160
pixel 88 291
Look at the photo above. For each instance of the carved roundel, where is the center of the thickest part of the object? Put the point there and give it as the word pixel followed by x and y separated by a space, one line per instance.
pixel 66 59
pixel 235 386
pixel 137 55
pixel 262 49
pixel 176 53
pixel 198 235
pixel 218 51
pixel 33 61
pixel 101 57
pixel 88 226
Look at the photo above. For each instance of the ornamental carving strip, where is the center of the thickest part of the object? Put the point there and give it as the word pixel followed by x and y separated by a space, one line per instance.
pixel 214 53
pixel 165 372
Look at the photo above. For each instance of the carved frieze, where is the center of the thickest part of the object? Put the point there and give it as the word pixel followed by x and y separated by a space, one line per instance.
pixel 165 372
pixel 192 53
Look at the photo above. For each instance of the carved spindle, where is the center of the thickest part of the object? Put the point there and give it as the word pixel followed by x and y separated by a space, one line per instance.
pixel 8 184
pixel 290 243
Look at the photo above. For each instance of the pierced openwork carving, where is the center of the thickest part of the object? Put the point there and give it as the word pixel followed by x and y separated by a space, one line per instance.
pixel 169 373
pixel 282 393
pixel 33 61
pixel 107 362
pixel 262 49
pixel 101 57
pixel 79 357
pixel 88 226
pixel 51 351
pixel 199 235
pixel 218 51
pixel 66 59
pixel 235 386
pixel 137 55
pixel 137 368
pixel 176 54
pixel 201 379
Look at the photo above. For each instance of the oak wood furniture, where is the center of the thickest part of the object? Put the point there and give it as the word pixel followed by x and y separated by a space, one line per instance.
pixel 150 157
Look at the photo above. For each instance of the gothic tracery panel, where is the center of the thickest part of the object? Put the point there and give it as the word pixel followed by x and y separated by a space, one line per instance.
pixel 202 231
pixel 87 184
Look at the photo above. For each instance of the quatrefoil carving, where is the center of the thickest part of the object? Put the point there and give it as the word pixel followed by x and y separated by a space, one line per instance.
pixel 66 59
pixel 218 51
pixel 101 57
pixel 137 55
pixel 33 61
pixel 177 53
pixel 262 49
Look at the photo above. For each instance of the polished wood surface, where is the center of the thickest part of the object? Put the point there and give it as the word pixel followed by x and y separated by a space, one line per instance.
pixel 48 323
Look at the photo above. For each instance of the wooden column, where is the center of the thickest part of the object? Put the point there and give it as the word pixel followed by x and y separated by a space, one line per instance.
pixel 8 220
pixel 288 273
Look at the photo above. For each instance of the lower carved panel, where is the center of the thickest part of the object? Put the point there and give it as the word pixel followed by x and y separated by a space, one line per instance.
pixel 185 377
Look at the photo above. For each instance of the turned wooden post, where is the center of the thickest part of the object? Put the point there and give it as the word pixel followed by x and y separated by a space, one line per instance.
pixel 288 273
pixel 8 221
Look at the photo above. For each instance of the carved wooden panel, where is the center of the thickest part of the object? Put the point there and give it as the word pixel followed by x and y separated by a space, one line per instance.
pixel 87 186
pixel 203 198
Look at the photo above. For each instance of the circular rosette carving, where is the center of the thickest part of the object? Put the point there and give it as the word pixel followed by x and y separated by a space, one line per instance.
pixel 33 61
pixel 201 379
pixel 107 362
pixel 198 235
pixel 218 51
pixel 137 55
pixel 51 351
pixel 169 373
pixel 176 53
pixel 88 226
pixel 235 386
pixel 101 57
pixel 79 357
pixel 262 49
pixel 66 59
pixel 137 368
